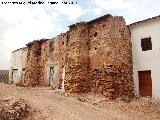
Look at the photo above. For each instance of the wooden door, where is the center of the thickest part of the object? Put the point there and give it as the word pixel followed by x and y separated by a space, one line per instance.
pixel 145 83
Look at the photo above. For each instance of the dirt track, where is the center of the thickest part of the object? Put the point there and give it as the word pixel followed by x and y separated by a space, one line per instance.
pixel 59 107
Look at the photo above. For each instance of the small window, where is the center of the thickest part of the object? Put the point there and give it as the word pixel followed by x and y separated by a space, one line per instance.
pixel 146 44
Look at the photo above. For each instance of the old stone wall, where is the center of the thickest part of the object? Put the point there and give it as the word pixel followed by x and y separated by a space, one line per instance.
pixel 123 81
pixel 92 56
pixel 43 54
pixel 43 61
pixel 36 60
pixel 56 59
pixel 110 57
pixel 61 57
pixel 77 60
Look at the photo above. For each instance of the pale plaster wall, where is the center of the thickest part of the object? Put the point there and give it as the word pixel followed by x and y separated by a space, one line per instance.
pixel 146 60
pixel 18 61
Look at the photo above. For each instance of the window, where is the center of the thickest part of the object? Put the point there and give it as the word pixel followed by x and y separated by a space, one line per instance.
pixel 146 44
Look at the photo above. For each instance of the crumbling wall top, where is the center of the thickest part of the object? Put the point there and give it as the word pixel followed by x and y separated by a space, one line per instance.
pixel 19 49
pixel 37 41
pixel 92 21
pixel 77 24
pixel 100 18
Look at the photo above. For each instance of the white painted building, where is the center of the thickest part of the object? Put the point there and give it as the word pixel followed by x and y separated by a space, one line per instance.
pixel 145 37
pixel 17 64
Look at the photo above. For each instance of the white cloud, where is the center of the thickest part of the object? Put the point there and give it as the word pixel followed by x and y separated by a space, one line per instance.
pixel 21 24
pixel 131 10
pixel 24 23
pixel 108 4
pixel 72 11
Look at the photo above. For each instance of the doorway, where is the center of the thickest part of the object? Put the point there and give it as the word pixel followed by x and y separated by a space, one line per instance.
pixel 51 76
pixel 15 75
pixel 145 83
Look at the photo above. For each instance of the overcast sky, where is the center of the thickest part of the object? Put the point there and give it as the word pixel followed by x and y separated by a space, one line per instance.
pixel 20 24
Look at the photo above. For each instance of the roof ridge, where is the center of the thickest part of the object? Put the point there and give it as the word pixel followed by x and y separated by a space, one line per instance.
pixel 145 20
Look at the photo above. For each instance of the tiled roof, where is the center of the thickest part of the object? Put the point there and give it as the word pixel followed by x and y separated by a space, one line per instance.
pixel 146 20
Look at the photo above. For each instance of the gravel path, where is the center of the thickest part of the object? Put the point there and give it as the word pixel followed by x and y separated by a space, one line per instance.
pixel 59 107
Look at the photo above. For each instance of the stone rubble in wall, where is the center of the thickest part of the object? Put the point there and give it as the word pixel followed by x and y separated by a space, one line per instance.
pixel 107 59
pixel 77 62
pixel 34 73
pixel 96 55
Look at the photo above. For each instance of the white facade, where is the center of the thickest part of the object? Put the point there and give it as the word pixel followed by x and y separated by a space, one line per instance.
pixel 17 64
pixel 150 59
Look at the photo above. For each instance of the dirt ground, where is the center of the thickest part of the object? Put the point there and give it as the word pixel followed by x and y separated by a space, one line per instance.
pixel 47 104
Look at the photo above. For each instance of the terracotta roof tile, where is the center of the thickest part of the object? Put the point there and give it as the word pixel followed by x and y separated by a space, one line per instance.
pixel 143 21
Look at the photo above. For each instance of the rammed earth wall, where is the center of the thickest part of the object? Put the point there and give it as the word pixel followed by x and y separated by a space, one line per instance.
pixel 110 57
pixel 92 56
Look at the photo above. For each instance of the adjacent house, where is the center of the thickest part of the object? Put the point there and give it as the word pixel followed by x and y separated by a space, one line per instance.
pixel 145 39
pixel 18 64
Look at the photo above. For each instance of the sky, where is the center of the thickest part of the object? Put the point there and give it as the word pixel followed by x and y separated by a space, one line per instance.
pixel 20 24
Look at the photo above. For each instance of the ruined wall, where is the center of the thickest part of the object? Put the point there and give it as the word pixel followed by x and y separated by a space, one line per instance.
pixel 36 58
pixel 123 82
pixel 52 61
pixel 43 60
pixel 61 57
pixel 56 58
pixel 110 57
pixel 92 56
pixel 98 57
pixel 43 54
pixel 77 61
